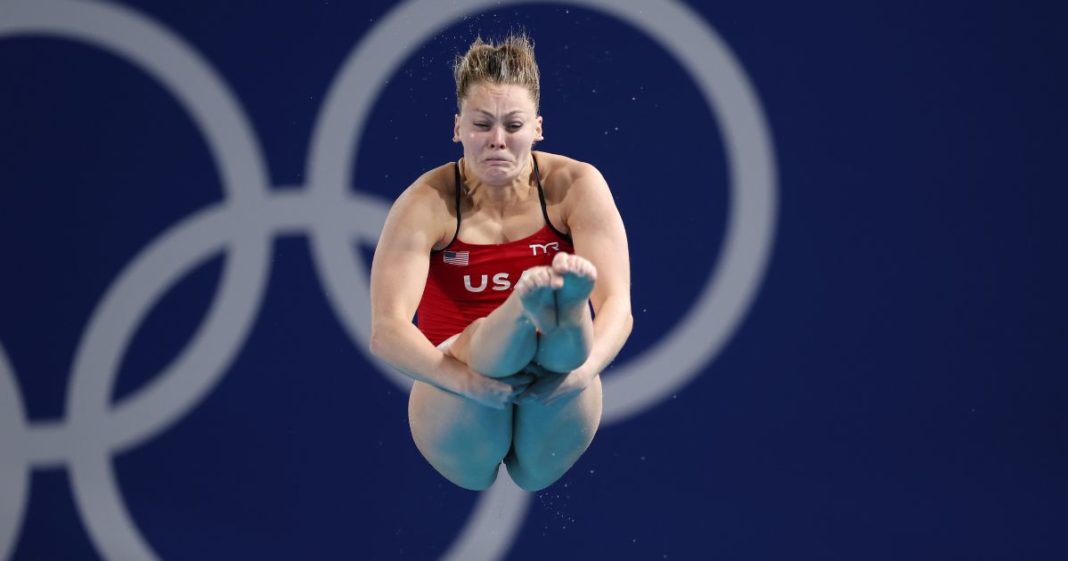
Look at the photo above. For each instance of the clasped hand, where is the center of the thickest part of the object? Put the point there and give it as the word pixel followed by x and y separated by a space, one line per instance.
pixel 533 384
pixel 551 387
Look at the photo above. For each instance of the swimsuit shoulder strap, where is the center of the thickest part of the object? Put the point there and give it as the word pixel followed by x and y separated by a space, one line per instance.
pixel 541 198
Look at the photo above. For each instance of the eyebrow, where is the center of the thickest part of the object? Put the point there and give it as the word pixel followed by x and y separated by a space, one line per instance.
pixel 506 115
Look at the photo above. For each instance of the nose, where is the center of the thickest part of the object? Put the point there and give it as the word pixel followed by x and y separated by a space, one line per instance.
pixel 497 136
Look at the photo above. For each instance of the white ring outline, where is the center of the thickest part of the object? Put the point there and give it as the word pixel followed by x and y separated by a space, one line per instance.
pixel 14 472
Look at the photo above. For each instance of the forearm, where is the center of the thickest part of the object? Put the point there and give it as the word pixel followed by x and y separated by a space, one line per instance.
pixel 403 346
pixel 611 328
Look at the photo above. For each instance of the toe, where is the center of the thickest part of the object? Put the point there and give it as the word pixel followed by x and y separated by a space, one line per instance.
pixel 561 263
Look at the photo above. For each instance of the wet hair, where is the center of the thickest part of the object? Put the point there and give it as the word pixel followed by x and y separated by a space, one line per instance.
pixel 509 62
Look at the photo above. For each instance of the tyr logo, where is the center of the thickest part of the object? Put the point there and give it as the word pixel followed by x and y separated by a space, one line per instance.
pixel 534 247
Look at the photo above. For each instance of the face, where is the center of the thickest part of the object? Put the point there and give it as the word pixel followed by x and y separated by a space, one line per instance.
pixel 497 125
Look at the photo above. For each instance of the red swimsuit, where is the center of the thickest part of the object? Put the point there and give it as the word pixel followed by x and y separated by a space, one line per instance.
pixel 468 281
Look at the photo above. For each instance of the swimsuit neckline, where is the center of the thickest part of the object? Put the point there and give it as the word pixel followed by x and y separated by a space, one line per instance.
pixel 458 241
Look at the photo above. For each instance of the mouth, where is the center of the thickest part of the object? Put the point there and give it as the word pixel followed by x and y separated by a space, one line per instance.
pixel 496 161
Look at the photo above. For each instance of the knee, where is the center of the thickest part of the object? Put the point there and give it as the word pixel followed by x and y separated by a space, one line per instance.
pixel 534 472
pixel 473 467
pixel 474 474
pixel 535 465
pixel 533 484
pixel 479 480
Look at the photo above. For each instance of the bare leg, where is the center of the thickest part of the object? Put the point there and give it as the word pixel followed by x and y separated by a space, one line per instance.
pixel 504 342
pixel 463 440
pixel 548 439
pixel 565 344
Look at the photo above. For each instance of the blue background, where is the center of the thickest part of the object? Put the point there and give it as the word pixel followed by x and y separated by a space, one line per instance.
pixel 897 390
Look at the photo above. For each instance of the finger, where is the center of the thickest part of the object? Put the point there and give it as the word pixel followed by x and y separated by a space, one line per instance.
pixel 521 396
pixel 560 394
pixel 510 396
pixel 548 394
pixel 535 400
pixel 517 379
pixel 493 404
pixel 551 399
pixel 516 392
pixel 533 394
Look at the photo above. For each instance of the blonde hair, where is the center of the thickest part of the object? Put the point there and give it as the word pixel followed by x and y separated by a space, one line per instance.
pixel 509 62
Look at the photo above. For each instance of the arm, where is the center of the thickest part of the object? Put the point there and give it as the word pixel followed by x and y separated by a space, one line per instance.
pixel 598 233
pixel 398 276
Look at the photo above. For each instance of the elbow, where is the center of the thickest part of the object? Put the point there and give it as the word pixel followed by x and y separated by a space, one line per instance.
pixel 378 340
pixel 628 324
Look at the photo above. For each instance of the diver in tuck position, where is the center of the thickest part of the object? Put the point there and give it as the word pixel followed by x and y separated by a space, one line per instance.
pixel 501 254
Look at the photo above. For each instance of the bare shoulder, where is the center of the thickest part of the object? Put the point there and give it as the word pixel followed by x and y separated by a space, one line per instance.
pixel 571 184
pixel 434 190
pixel 427 204
pixel 560 174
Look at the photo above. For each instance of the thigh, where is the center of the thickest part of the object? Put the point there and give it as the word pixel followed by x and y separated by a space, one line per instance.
pixel 548 440
pixel 463 440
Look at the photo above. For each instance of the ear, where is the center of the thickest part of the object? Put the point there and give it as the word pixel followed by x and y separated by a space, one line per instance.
pixel 456 128
pixel 538 131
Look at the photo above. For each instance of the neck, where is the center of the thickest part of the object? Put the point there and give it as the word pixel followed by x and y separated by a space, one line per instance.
pixel 499 197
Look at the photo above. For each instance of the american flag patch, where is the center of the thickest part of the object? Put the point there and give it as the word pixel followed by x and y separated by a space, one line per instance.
pixel 456 257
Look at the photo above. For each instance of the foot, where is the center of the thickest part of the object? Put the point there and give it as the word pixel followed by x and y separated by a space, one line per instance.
pixel 579 276
pixel 535 291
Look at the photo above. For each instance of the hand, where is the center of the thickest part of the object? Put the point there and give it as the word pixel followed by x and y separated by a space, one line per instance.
pixel 551 387
pixel 494 392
